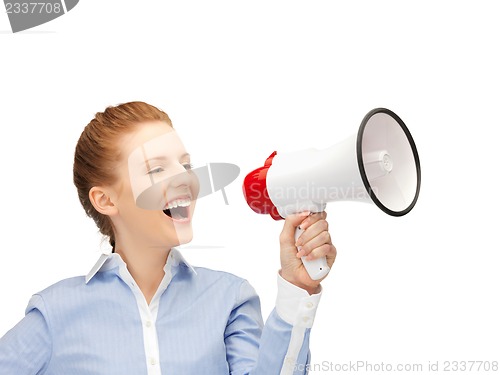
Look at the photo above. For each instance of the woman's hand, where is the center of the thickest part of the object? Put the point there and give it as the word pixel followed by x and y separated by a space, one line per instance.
pixel 315 243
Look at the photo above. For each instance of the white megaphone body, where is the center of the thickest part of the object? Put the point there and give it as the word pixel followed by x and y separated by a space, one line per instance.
pixel 379 165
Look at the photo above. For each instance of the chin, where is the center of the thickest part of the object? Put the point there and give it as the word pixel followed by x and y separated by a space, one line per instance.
pixel 182 236
pixel 182 240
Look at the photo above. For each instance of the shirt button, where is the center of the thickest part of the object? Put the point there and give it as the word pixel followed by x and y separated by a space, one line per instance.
pixel 309 305
pixel 148 323
pixel 305 319
pixel 289 360
pixel 152 361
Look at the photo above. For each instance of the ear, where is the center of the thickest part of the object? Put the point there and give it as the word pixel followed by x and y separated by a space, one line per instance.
pixel 101 201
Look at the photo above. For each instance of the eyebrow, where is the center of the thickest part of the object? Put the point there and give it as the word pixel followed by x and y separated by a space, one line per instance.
pixel 162 158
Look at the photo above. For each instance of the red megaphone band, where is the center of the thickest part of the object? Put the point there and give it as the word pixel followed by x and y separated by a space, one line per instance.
pixel 255 190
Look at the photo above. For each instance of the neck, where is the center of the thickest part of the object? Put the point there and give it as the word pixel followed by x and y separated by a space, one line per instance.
pixel 145 264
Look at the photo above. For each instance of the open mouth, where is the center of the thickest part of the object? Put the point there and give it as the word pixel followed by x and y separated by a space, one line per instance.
pixel 178 209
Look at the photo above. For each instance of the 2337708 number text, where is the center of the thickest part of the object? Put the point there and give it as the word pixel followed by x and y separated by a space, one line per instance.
pixel 39 8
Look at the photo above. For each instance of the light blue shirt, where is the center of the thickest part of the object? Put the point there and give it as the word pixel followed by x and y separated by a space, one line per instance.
pixel 200 321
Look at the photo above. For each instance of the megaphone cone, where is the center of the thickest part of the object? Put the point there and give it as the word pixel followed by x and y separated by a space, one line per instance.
pixel 392 177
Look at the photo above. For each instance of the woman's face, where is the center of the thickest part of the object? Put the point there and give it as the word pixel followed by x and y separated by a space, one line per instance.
pixel 155 191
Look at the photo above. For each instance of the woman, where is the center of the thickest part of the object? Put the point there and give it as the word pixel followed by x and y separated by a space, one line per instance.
pixel 143 309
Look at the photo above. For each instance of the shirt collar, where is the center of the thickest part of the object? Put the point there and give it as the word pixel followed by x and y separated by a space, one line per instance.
pixel 109 260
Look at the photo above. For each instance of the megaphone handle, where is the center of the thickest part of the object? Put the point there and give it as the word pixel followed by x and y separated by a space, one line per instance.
pixel 317 268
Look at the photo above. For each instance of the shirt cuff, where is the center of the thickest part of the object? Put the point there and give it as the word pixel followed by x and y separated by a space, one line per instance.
pixel 294 305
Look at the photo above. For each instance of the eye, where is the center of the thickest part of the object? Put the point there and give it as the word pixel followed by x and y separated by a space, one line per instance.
pixel 187 166
pixel 156 170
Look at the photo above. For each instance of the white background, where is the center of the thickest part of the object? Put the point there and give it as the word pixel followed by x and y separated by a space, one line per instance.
pixel 240 80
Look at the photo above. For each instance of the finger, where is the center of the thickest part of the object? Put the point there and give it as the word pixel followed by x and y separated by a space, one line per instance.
pixel 291 223
pixel 318 241
pixel 331 256
pixel 312 231
pixel 313 217
pixel 326 250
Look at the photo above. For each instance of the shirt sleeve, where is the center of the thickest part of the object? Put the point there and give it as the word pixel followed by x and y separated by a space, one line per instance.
pixel 26 348
pixel 281 346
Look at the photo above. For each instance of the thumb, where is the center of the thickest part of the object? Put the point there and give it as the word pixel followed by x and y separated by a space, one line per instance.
pixel 291 223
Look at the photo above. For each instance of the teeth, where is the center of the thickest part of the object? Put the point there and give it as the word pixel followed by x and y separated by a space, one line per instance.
pixel 179 203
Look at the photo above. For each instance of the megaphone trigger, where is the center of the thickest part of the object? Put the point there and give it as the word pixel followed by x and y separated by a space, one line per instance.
pixel 317 268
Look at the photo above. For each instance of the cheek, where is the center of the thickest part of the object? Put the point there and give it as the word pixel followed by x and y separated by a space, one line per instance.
pixel 195 188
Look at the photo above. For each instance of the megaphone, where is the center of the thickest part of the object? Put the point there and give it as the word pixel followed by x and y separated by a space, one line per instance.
pixel 379 164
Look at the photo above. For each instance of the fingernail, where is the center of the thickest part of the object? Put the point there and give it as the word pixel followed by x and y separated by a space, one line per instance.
pixel 303 225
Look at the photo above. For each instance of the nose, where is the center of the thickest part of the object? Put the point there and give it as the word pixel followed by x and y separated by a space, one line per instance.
pixel 185 178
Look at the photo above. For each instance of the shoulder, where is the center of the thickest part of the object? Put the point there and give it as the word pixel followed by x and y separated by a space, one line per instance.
pixel 70 293
pixel 62 287
pixel 45 301
pixel 205 272
pixel 226 284
pixel 228 279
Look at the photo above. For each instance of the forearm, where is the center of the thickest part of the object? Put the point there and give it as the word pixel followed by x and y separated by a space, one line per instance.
pixel 282 346
pixel 284 349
